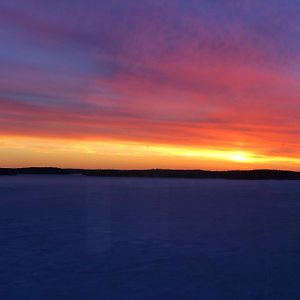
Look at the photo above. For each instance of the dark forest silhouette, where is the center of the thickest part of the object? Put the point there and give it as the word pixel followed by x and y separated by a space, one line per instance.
pixel 158 173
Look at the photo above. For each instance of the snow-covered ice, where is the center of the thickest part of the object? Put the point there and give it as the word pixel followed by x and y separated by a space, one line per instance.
pixel 76 237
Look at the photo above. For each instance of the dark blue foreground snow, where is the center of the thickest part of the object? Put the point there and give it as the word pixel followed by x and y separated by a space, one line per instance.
pixel 74 237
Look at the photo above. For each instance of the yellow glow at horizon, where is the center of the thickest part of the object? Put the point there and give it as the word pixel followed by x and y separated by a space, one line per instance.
pixel 239 157
pixel 228 155
pixel 25 151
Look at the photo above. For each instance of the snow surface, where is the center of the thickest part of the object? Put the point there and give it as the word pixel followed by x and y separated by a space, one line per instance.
pixel 76 237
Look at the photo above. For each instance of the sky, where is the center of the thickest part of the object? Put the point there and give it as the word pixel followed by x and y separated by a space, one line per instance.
pixel 182 84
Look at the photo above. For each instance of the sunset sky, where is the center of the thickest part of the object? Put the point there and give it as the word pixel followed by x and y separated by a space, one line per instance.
pixel 195 84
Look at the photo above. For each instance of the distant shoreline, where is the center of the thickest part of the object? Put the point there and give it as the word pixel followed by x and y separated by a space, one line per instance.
pixel 159 173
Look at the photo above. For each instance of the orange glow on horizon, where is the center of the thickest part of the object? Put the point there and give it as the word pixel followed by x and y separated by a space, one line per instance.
pixel 24 151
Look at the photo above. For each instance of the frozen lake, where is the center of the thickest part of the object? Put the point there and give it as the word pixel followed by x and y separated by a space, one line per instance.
pixel 75 237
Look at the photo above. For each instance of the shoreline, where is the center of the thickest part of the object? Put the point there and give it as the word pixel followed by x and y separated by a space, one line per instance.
pixel 261 174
